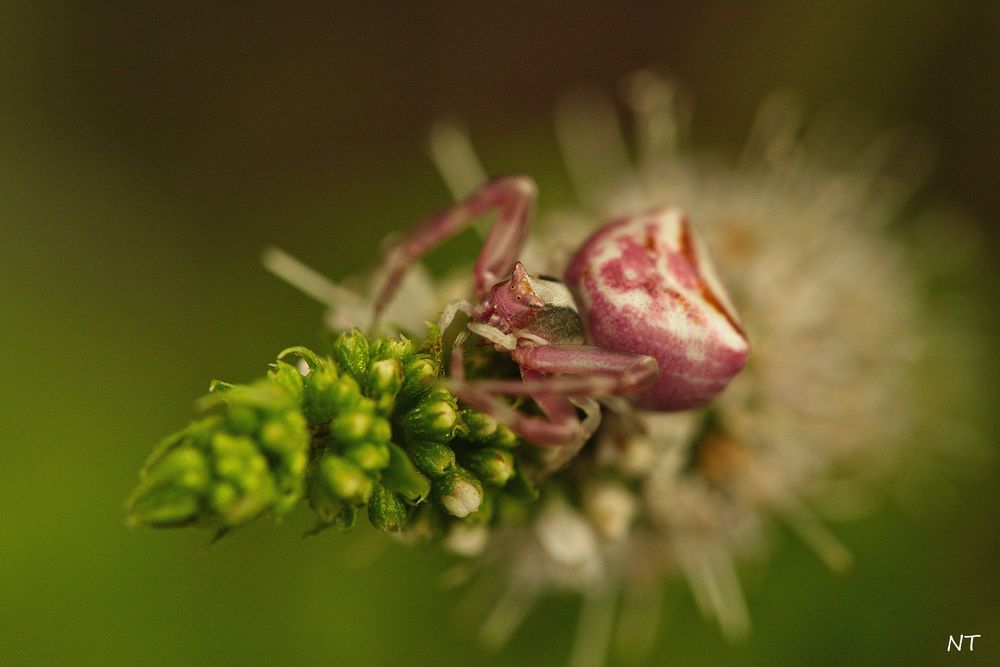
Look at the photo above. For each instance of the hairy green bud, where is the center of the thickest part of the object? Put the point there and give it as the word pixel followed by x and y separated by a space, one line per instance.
pixel 401 476
pixel 418 377
pixel 369 456
pixel 162 507
pixel 432 458
pixel 344 480
pixel 385 376
pixel 385 510
pixel 493 465
pixel 351 427
pixel 478 427
pixel 506 438
pixel 288 377
pixel 433 419
pixel 285 436
pixel 381 430
pixel 353 352
pixel 346 394
pixel 384 380
pixel 169 490
pixel 241 420
pixel 238 462
pixel 319 397
pixel 323 502
pixel 400 348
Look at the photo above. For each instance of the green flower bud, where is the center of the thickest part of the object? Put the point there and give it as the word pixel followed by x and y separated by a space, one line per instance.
pixel 183 467
pixel 369 456
pixel 432 458
pixel 400 349
pixel 169 489
pixel 331 513
pixel 346 393
pixel 287 498
pixel 320 395
pixel 418 376
pixel 384 380
pixel 236 457
pixel 433 419
pixel 459 493
pixel 248 506
pixel 385 376
pixel 401 476
pixel 323 502
pixel 479 427
pixel 162 507
pixel 344 479
pixel 433 344
pixel 238 462
pixel 288 377
pixel 284 437
pixel 353 352
pixel 296 463
pixel 386 511
pixel 506 438
pixel 241 420
pixel 493 465
pixel 351 427
pixel 223 495
pixel 381 430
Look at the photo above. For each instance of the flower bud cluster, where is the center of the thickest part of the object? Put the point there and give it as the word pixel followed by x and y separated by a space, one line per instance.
pixel 365 429
pixel 247 455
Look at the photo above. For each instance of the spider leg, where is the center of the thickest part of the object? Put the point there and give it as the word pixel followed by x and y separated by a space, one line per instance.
pixel 597 371
pixel 450 311
pixel 559 426
pixel 511 196
pixel 584 370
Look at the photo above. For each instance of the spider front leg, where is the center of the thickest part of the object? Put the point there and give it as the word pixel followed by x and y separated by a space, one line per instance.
pixel 597 372
pixel 591 371
pixel 559 426
pixel 511 196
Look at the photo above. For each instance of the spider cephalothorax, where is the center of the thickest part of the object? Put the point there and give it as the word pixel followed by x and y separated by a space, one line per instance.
pixel 527 305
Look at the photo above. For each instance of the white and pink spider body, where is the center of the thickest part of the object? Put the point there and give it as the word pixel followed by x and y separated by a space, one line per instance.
pixel 641 313
pixel 647 286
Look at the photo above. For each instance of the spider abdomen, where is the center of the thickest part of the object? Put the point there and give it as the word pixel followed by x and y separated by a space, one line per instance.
pixel 645 285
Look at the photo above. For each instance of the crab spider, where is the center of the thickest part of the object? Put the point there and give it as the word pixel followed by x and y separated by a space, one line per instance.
pixel 640 313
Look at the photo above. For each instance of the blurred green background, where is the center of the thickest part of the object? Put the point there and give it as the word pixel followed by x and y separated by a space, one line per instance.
pixel 149 151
